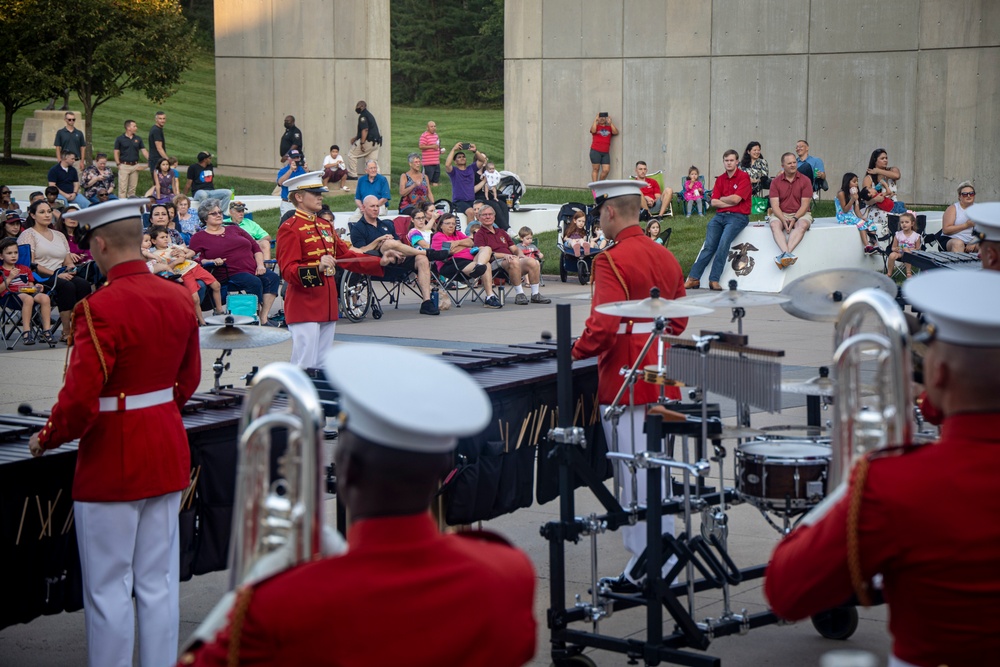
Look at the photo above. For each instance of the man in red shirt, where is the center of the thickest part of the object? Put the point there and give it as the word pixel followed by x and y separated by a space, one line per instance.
pixel 602 129
pixel 731 199
pixel 507 256
pixel 937 556
pixel 791 196
pixel 651 195
pixel 133 461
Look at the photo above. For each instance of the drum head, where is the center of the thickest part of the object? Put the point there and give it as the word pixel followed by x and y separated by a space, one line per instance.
pixel 785 449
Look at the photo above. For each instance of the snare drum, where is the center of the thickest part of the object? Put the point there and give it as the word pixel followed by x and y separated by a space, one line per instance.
pixel 783 474
pixel 796 432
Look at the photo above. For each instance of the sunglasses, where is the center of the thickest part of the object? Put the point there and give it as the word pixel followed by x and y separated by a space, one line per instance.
pixel 71 120
pixel 968 194
pixel 4 192
pixel 215 213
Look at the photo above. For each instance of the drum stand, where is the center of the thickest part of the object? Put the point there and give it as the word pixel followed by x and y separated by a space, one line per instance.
pixel 219 367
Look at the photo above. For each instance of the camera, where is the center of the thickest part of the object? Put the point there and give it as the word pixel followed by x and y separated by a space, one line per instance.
pixel 603 114
pixel 466 146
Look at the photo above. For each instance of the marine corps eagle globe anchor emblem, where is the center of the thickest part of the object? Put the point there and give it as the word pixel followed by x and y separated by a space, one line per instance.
pixel 742 262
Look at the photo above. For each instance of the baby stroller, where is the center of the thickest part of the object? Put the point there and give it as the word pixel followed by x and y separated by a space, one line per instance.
pixel 568 261
pixel 511 189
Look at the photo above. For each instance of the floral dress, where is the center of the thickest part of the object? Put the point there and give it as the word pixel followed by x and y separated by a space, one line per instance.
pixel 757 171
pixel 873 214
pixel 849 218
pixel 417 196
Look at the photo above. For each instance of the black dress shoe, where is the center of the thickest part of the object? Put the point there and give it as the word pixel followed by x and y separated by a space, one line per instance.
pixel 620 584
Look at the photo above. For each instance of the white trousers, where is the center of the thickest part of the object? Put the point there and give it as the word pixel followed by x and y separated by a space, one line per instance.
pixel 124 548
pixel 634 537
pixel 310 341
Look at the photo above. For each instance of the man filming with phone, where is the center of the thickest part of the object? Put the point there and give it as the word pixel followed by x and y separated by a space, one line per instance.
pixel 463 176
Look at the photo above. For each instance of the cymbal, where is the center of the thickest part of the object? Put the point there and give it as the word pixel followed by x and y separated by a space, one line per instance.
pixel 817 386
pixel 241 337
pixel 220 320
pixel 733 299
pixel 818 296
pixel 652 307
pixel 734 432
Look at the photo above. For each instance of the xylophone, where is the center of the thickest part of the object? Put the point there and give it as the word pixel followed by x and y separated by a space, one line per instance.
pixel 39 552
pixel 923 259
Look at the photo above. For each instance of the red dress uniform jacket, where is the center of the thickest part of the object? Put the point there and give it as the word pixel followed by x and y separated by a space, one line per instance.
pixel 404 594
pixel 302 240
pixel 642 264
pixel 128 454
pixel 929 524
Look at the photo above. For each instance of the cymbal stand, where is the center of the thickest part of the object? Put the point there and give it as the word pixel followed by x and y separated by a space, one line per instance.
pixel 220 366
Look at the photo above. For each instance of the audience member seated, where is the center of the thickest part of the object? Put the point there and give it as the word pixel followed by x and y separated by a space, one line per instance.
pixel 956 225
pixel 335 169
pixel 7 201
pixel 575 238
pixel 452 240
pixel 187 221
pixel 652 197
pixel 847 205
pixel 201 183
pixel 754 164
pixel 463 177
pixel 811 167
pixel 508 256
pixel 373 236
pixel 791 196
pixel 473 218
pixel 421 231
pixel 653 231
pixel 237 216
pixel 694 192
pixel 414 188
pixel 180 260
pixel 99 180
pixel 371 184
pixel 19 292
pixel 527 244
pixel 219 246
pixel 159 217
pixel 65 178
pixel 732 214
pixel 51 258
pixel 86 267
pixel 12 225
pixel 883 178
pixel 905 240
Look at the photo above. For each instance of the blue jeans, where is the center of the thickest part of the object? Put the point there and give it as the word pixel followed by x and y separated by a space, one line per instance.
pixel 80 201
pixel 94 200
pixel 723 228
pixel 253 284
pixel 222 195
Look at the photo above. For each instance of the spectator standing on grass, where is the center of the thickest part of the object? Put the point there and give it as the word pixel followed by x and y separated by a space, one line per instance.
pixel 463 177
pixel 201 182
pixel 601 130
pixel 292 138
pixel 66 179
pixel 127 149
pixel 430 153
pixel 367 142
pixel 157 143
pixel 292 168
pixel 69 139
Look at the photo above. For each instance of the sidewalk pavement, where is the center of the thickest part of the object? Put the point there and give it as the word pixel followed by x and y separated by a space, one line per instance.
pixel 60 640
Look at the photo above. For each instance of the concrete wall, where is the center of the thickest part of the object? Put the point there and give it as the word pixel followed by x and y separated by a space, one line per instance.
pixel 312 59
pixel 684 81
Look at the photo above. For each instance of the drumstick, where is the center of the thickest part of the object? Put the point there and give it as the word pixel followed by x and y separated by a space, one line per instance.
pixel 24 511
pixel 520 436
pixel 541 421
pixel 68 523
pixel 578 410
pixel 194 485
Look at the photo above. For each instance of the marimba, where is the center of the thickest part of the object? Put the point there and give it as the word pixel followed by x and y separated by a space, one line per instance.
pixel 924 259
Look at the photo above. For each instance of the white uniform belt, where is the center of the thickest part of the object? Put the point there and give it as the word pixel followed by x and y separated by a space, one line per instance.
pixel 896 662
pixel 637 327
pixel 122 402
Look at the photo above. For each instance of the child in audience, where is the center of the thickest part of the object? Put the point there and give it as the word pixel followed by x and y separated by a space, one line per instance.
pixel 694 192
pixel 164 182
pixel 653 231
pixel 575 235
pixel 18 289
pixel 847 207
pixel 905 240
pixel 178 259
pixel 597 238
pixel 527 244
pixel 492 178
pixel 420 232
pixel 334 168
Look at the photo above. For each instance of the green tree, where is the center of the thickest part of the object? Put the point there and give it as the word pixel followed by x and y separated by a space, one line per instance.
pixel 447 53
pixel 119 45
pixel 27 74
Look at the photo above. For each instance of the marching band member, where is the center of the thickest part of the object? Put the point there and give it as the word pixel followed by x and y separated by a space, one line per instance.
pixel 308 252
pixel 627 271
pixel 987 228
pixel 404 593
pixel 133 461
pixel 925 518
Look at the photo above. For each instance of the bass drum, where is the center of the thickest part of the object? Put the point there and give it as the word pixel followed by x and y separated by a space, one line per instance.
pixel 782 476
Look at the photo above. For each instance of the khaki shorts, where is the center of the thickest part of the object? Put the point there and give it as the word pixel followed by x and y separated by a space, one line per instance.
pixel 805 216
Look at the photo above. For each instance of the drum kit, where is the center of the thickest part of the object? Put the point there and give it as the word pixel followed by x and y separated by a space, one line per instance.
pixel 235 332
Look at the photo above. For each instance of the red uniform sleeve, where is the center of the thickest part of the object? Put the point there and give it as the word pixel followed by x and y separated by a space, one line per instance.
pixel 600 331
pixel 360 262
pixel 808 571
pixel 190 369
pixel 289 253
pixel 255 648
pixel 77 404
